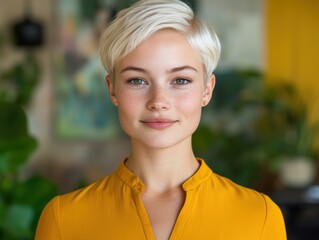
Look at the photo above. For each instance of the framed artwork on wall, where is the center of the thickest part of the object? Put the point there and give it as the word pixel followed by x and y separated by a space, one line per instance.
pixel 82 108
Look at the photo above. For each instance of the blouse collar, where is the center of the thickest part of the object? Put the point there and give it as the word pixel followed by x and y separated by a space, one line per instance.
pixel 130 179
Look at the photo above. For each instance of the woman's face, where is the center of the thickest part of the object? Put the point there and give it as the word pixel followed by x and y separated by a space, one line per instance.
pixel 160 90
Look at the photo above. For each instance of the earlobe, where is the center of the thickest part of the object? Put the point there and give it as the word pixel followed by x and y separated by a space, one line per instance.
pixel 111 89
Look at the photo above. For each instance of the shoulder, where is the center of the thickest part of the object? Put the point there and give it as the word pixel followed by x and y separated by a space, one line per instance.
pixel 76 206
pixel 226 187
pixel 253 207
pixel 92 192
pixel 85 198
pixel 243 200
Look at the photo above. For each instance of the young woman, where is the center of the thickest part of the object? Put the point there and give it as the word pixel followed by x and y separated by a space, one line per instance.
pixel 160 60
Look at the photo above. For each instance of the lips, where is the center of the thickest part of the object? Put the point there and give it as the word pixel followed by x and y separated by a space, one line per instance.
pixel 158 123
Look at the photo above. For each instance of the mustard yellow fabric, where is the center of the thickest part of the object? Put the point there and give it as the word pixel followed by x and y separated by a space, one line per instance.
pixel 215 208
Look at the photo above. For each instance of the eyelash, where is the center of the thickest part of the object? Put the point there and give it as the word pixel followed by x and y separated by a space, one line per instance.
pixel 185 81
pixel 140 81
pixel 137 81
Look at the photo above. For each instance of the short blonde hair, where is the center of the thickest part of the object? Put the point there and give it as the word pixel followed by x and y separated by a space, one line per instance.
pixel 135 24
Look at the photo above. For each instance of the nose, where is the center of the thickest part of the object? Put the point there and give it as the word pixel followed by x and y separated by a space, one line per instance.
pixel 158 99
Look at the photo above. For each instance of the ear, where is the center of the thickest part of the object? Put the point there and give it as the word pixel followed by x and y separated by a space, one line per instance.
pixel 208 91
pixel 111 88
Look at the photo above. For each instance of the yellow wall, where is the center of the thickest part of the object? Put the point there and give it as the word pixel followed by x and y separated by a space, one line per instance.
pixel 292 47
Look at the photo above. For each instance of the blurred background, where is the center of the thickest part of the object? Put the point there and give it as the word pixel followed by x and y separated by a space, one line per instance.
pixel 59 131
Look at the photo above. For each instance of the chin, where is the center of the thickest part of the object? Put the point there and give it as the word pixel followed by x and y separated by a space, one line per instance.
pixel 165 142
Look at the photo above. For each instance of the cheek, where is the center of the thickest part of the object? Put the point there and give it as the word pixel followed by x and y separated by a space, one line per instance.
pixel 125 115
pixel 191 107
pixel 128 107
pixel 127 99
pixel 192 101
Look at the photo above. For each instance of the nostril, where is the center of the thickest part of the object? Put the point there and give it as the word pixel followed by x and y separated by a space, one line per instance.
pixel 157 105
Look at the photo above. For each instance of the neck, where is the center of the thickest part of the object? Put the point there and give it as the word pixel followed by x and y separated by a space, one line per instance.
pixel 162 169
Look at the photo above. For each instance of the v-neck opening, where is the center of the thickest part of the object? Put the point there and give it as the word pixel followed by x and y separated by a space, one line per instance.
pixel 178 225
pixel 146 222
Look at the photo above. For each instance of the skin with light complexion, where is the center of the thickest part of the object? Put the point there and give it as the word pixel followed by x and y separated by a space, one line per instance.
pixel 160 91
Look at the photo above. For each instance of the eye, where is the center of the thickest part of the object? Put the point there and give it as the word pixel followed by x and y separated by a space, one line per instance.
pixel 181 81
pixel 137 81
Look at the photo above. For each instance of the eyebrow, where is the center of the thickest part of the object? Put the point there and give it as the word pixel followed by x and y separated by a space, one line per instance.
pixel 186 67
pixel 132 68
pixel 173 70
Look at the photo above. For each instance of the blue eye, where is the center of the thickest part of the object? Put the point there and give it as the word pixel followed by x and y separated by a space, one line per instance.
pixel 137 81
pixel 181 81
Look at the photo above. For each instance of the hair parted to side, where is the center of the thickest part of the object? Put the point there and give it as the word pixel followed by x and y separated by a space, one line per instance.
pixel 135 24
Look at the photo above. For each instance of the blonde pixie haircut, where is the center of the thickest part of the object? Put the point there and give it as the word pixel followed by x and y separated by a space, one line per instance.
pixel 137 23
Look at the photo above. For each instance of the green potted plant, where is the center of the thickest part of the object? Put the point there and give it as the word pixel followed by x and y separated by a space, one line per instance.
pixel 21 200
pixel 287 135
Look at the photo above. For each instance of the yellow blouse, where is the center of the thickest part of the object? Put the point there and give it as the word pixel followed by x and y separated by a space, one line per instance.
pixel 215 208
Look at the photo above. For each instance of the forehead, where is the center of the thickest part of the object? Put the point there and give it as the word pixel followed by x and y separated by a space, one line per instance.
pixel 164 49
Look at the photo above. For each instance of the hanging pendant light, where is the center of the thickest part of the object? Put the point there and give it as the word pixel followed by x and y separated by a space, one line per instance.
pixel 27 32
